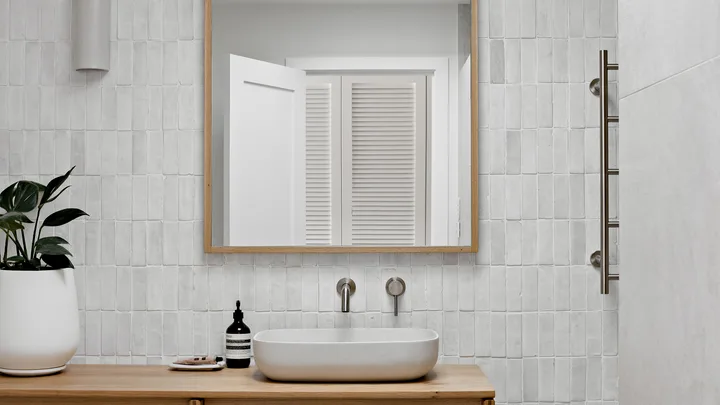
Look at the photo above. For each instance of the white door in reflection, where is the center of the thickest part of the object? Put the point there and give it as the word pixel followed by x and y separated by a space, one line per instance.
pixel 264 154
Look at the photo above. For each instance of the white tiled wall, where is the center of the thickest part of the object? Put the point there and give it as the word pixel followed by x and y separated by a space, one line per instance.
pixel 526 307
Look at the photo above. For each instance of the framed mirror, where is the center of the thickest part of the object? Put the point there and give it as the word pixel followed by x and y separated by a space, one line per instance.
pixel 341 126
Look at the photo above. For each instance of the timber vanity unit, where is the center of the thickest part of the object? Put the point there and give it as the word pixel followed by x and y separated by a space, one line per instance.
pixel 145 385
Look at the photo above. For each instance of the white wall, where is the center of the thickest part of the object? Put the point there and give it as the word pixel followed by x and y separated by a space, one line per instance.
pixel 275 32
pixel 675 36
pixel 670 289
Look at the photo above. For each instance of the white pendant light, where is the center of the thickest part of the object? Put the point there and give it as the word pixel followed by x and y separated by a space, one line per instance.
pixel 91 34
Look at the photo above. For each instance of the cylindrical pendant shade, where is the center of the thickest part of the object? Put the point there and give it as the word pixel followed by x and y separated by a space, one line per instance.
pixel 91 34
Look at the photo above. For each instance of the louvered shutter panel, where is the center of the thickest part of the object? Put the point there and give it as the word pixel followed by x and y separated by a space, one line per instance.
pixel 384 144
pixel 323 166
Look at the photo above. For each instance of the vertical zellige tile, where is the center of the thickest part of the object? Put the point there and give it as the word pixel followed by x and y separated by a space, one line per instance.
pixel 527 18
pixel 592 17
pixel 4 20
pixel 170 21
pixel 497 289
pixel 496 12
pixel 466 292
pixel 170 63
pixel 154 279
pixel 512 18
pixel 185 19
pixel 497 334
pixel 560 18
pixel 562 379
pixel 546 379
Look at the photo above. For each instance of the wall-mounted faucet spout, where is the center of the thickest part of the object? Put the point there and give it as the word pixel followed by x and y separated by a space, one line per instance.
pixel 346 288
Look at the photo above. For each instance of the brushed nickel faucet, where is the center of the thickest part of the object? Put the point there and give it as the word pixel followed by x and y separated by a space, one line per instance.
pixel 395 287
pixel 346 288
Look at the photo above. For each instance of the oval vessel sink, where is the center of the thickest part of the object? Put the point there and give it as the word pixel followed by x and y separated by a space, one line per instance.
pixel 345 354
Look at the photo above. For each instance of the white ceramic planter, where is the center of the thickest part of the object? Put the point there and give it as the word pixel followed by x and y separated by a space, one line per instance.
pixel 39 326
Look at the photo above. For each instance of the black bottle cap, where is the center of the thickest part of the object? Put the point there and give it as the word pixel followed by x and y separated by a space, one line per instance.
pixel 238 314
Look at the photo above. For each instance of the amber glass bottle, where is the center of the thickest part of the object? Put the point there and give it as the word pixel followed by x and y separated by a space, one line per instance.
pixel 237 341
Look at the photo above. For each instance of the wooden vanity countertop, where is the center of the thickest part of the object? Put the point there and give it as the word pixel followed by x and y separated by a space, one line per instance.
pixel 125 381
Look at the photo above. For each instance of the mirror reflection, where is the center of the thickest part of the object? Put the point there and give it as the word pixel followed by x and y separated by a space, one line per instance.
pixel 341 124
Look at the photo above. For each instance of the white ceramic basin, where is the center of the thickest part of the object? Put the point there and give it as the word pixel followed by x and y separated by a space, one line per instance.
pixel 345 354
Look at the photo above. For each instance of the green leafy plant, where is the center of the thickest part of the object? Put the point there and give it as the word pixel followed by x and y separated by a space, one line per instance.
pixel 19 200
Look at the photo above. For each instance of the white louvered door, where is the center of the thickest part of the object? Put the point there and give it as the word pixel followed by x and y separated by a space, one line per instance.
pixel 384 130
pixel 323 166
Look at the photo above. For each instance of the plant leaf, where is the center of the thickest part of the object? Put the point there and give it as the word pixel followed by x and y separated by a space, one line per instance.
pixel 57 261
pixel 6 197
pixel 41 187
pixel 51 240
pixel 15 216
pixel 50 249
pixel 55 197
pixel 63 216
pixel 53 186
pixel 12 221
pixel 24 197
pixel 19 263
pixel 10 226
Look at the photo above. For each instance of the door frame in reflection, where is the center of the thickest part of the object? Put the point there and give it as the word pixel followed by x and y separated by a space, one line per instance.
pixel 441 88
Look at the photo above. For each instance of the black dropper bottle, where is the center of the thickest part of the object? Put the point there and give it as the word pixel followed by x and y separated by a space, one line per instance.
pixel 237 341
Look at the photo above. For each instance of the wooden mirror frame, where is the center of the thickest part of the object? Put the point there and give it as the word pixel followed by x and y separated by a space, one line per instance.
pixel 474 133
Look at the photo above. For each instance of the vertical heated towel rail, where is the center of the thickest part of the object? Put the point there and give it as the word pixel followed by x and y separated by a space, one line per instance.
pixel 601 258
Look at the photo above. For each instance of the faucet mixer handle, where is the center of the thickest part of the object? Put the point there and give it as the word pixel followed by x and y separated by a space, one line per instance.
pixel 395 286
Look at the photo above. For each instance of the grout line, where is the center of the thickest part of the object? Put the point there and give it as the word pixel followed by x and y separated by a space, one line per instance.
pixel 716 57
